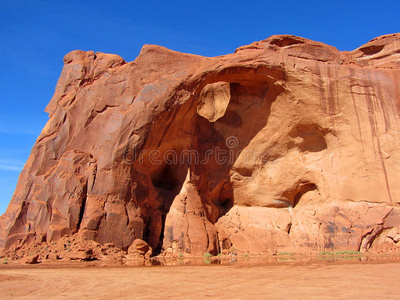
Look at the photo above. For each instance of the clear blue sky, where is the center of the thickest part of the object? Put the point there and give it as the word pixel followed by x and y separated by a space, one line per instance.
pixel 35 35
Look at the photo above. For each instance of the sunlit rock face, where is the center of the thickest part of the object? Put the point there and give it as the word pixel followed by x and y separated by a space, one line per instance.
pixel 285 145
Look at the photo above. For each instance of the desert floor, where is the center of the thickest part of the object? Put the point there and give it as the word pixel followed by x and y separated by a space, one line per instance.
pixel 287 280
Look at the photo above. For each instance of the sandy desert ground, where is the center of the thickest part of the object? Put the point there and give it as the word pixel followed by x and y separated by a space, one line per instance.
pixel 293 280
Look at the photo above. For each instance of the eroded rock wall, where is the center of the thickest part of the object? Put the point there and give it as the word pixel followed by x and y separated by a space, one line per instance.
pixel 285 145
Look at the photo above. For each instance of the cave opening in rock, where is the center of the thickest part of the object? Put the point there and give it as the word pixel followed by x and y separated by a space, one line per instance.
pixel 82 209
pixel 225 200
pixel 162 171
pixel 304 189
pixel 167 182
pixel 165 179
pixel 232 107
pixel 251 96
pixel 146 228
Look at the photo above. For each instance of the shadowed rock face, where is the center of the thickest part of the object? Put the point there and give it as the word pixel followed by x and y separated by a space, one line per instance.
pixel 285 145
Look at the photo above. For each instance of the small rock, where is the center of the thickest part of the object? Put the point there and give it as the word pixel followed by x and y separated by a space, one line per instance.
pixel 33 259
pixel 81 255
pixel 140 248
pixel 52 256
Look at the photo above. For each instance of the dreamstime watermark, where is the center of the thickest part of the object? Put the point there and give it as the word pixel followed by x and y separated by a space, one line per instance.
pixel 219 155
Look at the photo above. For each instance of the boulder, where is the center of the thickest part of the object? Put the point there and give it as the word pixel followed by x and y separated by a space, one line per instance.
pixel 140 248
pixel 32 259
pixel 80 254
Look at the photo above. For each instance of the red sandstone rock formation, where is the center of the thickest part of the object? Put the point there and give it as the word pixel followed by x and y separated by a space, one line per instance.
pixel 285 145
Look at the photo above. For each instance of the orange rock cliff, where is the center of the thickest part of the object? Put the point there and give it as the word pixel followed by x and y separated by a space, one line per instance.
pixel 286 145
